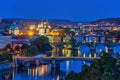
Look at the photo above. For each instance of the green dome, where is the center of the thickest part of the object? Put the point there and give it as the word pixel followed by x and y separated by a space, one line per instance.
pixel 14 27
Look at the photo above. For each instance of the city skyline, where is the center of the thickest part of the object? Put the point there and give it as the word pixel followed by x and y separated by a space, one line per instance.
pixel 79 10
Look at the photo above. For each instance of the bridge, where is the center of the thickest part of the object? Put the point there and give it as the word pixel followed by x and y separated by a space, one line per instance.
pixel 52 60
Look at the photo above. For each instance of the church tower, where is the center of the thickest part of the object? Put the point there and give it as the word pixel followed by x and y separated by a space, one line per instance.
pixel 43 28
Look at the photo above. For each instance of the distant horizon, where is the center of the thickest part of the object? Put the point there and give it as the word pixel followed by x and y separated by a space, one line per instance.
pixel 59 19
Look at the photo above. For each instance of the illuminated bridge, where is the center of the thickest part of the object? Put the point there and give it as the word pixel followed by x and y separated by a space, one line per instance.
pixel 52 60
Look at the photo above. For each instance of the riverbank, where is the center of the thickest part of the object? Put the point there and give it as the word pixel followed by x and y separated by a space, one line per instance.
pixel 6 65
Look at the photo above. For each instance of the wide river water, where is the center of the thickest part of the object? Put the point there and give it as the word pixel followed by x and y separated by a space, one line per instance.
pixel 42 72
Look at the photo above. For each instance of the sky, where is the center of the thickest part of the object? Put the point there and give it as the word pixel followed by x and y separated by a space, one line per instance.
pixel 75 10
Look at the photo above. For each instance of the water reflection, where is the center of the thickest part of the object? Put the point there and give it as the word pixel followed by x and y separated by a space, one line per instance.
pixel 43 72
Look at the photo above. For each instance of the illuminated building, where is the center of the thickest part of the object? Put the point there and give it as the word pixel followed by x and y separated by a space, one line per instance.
pixel 54 36
pixel 43 28
pixel 30 33
pixel 115 28
pixel 67 38
pixel 14 29
pixel 32 27
pixel 67 50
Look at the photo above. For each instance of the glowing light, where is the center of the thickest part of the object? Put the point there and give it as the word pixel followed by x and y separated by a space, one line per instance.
pixel 37 29
pixel 90 55
pixel 95 55
pixel 79 52
pixel 115 29
pixel 45 22
pixel 30 33
pixel 58 77
pixel 106 49
pixel 67 65
pixel 33 72
pixel 32 27
pixel 84 55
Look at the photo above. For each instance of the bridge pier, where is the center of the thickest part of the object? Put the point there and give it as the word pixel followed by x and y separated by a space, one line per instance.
pixel 54 64
pixel 37 63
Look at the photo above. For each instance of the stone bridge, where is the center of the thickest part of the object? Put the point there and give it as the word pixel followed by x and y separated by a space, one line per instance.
pixel 52 60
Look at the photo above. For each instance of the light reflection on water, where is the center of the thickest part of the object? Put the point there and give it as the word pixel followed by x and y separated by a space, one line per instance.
pixel 43 72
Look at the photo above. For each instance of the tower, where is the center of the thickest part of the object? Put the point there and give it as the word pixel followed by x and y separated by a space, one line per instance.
pixel 43 28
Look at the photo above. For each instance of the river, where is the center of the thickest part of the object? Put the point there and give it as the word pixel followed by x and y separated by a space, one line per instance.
pixel 42 72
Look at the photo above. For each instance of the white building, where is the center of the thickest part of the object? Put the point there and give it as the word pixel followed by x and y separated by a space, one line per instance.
pixel 43 28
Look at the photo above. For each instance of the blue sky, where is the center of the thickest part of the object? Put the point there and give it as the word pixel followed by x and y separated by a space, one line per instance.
pixel 75 10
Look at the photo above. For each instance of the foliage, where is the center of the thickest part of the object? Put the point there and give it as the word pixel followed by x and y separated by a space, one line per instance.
pixel 72 41
pixel 17 48
pixel 30 51
pixel 42 43
pixel 103 69
pixel 8 46
pixel 5 56
pixel 24 46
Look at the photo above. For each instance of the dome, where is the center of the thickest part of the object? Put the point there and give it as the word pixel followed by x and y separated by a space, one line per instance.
pixel 14 27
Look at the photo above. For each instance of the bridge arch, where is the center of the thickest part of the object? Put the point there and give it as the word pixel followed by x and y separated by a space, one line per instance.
pixel 84 50
pixel 116 51
pixel 100 48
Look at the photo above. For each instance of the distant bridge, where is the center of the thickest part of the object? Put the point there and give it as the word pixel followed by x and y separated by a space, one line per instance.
pixel 52 60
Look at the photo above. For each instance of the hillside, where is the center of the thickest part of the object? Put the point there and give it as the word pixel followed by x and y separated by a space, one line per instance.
pixel 108 20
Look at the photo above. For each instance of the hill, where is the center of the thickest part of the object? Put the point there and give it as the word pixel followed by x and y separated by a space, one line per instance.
pixel 108 20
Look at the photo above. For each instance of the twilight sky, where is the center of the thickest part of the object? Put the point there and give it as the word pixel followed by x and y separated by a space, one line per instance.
pixel 75 10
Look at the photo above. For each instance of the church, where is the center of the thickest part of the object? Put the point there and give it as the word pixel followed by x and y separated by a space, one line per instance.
pixel 14 29
pixel 43 28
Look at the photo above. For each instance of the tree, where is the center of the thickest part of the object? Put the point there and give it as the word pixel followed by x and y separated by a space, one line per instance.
pixel 6 56
pixel 17 48
pixel 31 51
pixel 42 43
pixel 117 77
pixel 107 76
pixel 8 47
pixel 103 69
pixel 71 76
pixel 24 46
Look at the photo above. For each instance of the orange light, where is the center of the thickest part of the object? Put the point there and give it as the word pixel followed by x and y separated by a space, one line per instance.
pixel 115 29
pixel 30 33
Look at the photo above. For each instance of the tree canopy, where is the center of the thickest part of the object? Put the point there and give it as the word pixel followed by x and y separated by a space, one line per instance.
pixel 42 43
pixel 106 68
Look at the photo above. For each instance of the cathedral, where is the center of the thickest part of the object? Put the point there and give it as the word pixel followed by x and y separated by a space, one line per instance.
pixel 14 29
pixel 43 28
